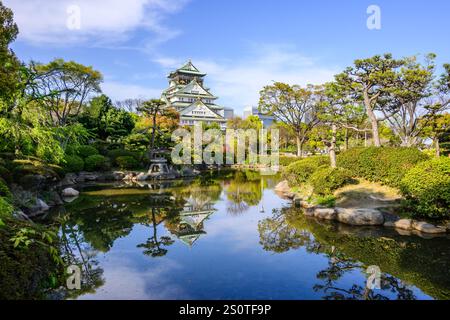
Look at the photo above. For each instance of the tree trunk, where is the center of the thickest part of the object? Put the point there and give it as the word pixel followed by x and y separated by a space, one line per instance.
pixel 152 143
pixel 299 146
pixel 346 139
pixel 438 147
pixel 332 147
pixel 373 121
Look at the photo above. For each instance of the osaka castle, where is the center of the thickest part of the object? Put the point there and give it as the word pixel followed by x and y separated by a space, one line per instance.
pixel 194 102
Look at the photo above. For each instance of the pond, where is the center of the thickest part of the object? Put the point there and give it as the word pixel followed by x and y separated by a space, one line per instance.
pixel 229 236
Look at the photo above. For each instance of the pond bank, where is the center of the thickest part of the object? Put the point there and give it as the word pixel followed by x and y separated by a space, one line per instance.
pixel 367 214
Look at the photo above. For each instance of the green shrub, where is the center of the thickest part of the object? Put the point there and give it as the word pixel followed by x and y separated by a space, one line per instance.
pixel 116 153
pixel 328 201
pixel 387 165
pixel 4 191
pixel 300 171
pixel 326 180
pixel 6 208
pixel 86 151
pixel 127 162
pixel 427 189
pixel 73 164
pixel 285 161
pixel 5 174
pixel 97 163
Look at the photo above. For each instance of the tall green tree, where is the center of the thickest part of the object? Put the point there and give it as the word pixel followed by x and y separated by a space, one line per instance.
pixel 293 105
pixel 152 109
pixel 367 81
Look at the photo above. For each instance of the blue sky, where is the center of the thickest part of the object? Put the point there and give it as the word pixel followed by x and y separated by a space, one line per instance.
pixel 241 44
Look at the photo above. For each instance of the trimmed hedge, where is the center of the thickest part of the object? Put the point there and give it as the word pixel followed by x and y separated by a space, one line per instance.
pixel 387 165
pixel 73 164
pixel 427 189
pixel 300 171
pixel 97 163
pixel 285 161
pixel 86 151
pixel 127 162
pixel 326 180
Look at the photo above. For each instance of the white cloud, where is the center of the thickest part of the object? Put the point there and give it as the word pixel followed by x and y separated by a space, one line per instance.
pixel 238 82
pixel 102 21
pixel 118 91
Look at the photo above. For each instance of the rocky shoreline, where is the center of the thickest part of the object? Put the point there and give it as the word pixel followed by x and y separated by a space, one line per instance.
pixel 37 198
pixel 362 216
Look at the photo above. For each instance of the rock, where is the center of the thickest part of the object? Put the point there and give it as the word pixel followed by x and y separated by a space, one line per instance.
pixel 53 199
pixel 142 177
pixel 32 181
pixel 69 180
pixel 404 224
pixel 283 187
pixel 283 190
pixel 427 227
pixel 389 224
pixel 38 207
pixel 325 213
pixel 87 176
pixel 118 175
pixel 70 192
pixel 309 212
pixel 360 217
pixel 128 177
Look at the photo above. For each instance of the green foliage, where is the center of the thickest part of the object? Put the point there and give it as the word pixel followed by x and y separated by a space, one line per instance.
pixel 73 164
pixel 326 180
pixel 35 167
pixel 86 151
pixel 387 165
pixel 300 171
pixel 127 162
pixel 328 201
pixel 116 153
pixel 5 174
pixel 96 163
pixel 285 161
pixel 427 188
pixel 4 190
pixel 136 142
pixel 6 208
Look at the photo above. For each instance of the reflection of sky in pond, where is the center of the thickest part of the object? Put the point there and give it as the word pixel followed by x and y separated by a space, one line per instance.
pixel 227 262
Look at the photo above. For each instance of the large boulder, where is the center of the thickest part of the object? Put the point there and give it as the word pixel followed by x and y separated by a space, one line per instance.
pixel 325 213
pixel 283 190
pixel 37 208
pixel 70 193
pixel 69 180
pixel 427 227
pixel 404 224
pixel 360 217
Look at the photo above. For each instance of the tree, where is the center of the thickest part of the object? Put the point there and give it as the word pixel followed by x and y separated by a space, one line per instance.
pixel 62 88
pixel 9 64
pixel 294 106
pixel 367 81
pixel 152 109
pixel 414 98
pixel 437 128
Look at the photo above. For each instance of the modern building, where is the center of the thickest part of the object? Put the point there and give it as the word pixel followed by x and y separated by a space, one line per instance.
pixel 195 103
pixel 265 119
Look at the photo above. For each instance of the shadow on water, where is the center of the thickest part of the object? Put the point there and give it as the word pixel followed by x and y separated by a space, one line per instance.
pixel 202 225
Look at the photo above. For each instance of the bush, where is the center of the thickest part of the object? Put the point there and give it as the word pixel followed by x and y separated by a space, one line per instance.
pixel 326 180
pixel 5 174
pixel 427 189
pixel 127 162
pixel 96 163
pixel 4 191
pixel 387 165
pixel 300 171
pixel 35 167
pixel 285 161
pixel 328 201
pixel 114 154
pixel 73 164
pixel 86 151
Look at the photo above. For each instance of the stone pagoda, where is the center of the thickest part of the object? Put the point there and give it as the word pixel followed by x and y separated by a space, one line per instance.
pixel 195 103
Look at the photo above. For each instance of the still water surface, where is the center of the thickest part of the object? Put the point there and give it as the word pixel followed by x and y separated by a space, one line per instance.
pixel 229 236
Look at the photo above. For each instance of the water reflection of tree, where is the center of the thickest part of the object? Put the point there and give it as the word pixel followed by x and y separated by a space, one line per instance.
pixel 75 250
pixel 155 246
pixel 244 191
pixel 278 234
